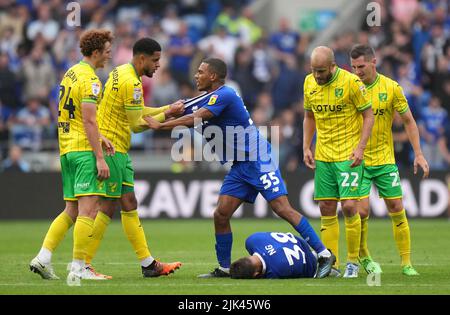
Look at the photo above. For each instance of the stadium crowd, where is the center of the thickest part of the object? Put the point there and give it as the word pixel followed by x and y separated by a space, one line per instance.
pixel 267 67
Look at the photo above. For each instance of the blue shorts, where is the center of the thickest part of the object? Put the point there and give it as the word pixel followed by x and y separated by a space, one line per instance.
pixel 246 179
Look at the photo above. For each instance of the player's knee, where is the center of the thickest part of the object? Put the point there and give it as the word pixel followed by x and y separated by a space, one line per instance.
pixel 394 206
pixel 221 216
pixel 129 202
pixel 72 211
pixel 349 209
pixel 363 213
pixel 327 207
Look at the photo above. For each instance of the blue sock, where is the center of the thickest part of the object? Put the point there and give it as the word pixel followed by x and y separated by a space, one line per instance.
pixel 224 243
pixel 307 232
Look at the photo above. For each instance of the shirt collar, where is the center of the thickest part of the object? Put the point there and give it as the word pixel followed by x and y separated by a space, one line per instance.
pixel 262 261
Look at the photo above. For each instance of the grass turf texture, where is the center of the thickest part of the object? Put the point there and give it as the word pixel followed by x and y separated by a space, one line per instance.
pixel 192 243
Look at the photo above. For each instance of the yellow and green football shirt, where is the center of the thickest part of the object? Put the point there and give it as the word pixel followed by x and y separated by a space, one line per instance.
pixel 387 98
pixel 123 91
pixel 79 85
pixel 337 108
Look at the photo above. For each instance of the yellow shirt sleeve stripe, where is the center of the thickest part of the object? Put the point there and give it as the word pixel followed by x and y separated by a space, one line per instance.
pixel 365 106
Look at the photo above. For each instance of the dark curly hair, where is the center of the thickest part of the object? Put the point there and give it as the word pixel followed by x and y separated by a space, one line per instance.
pixel 93 40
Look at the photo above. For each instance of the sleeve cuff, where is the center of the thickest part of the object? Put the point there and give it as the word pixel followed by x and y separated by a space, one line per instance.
pixel 365 106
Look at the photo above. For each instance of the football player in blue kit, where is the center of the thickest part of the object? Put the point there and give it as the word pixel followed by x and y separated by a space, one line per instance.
pixel 254 169
pixel 275 255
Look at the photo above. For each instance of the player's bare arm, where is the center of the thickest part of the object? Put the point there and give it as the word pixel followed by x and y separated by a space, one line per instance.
pixel 414 138
pixel 309 127
pixel 358 154
pixel 89 113
pixel 187 121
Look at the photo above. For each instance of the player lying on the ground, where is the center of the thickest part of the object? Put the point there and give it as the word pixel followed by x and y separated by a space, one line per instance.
pixel 275 255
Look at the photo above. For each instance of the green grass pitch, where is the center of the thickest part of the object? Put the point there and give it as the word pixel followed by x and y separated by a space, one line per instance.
pixel 192 243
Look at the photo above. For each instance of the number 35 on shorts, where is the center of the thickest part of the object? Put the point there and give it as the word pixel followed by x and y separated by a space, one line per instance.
pixel 269 179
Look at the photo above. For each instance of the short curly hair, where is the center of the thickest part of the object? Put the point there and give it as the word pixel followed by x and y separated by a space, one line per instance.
pixel 94 39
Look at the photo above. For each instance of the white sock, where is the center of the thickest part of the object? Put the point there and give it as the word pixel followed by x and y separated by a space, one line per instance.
pixel 45 256
pixel 147 261
pixel 325 253
pixel 77 265
pixel 227 270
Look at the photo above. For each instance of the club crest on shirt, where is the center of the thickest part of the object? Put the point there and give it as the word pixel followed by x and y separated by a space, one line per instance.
pixel 382 97
pixel 362 89
pixel 137 94
pixel 338 92
pixel 213 99
pixel 95 88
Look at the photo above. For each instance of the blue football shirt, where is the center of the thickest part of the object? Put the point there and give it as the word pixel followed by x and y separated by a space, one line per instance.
pixel 283 255
pixel 238 139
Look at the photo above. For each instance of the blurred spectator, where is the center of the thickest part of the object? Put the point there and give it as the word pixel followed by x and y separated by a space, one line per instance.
pixel 15 162
pixel 8 42
pixel 44 25
pixel 8 84
pixel 124 51
pixel 180 50
pixel 434 48
pixel 287 86
pixel 5 114
pixel 240 24
pixel 193 12
pixel 170 23
pixel 15 18
pixel 284 41
pixel 99 20
pixel 65 45
pixel 342 46
pixel 220 45
pixel 165 89
pixel 249 31
pixel 263 64
pixel 38 74
pixel 30 124
pixel 431 124
pixel 403 10
pixel 243 75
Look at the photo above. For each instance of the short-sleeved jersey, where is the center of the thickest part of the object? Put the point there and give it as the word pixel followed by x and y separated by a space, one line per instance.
pixel 123 91
pixel 239 138
pixel 337 108
pixel 79 85
pixel 283 255
pixel 387 98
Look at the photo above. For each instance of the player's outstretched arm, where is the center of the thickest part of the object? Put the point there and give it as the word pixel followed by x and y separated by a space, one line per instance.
pixel 187 121
pixel 413 135
pixel 358 154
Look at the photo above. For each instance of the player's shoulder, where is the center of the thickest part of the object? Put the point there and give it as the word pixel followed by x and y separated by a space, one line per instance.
pixel 385 80
pixel 223 94
pixel 83 74
pixel 226 91
pixel 309 80
pixel 347 75
pixel 126 74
